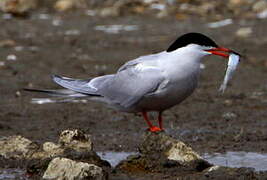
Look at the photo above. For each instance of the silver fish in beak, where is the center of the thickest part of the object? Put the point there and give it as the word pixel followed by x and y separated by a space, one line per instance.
pixel 234 59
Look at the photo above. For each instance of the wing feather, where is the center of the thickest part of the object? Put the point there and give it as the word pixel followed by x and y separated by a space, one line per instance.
pixel 131 84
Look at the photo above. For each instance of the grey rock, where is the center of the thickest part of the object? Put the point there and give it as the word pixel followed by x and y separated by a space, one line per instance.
pixel 229 116
pixel 17 147
pixel 259 6
pixel 63 168
pixel 76 139
pixel 244 32
pixel 17 6
pixel 161 153
pixel 64 5
pixel 52 148
pixel 168 147
pixel 73 144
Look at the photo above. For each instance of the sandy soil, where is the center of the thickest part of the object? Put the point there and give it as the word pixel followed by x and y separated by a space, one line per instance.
pixel 199 121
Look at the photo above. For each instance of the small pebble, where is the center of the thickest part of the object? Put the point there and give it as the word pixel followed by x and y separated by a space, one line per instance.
pixel 11 57
pixel 2 63
pixel 72 32
pixel 90 13
pixel 262 15
pixel 259 6
pixel 7 43
pixel 44 16
pixel 244 32
pixel 160 7
pixel 18 94
pixel 229 115
pixel 19 48
pixel 202 66
pixel 221 23
pixel 33 48
pixel 57 22
pixel 228 102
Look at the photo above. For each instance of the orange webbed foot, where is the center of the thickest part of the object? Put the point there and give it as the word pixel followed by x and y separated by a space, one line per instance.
pixel 155 129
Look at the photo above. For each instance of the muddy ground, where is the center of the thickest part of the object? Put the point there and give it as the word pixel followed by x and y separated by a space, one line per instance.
pixel 43 49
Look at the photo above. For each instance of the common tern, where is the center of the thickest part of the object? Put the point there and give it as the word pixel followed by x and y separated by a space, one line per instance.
pixel 153 82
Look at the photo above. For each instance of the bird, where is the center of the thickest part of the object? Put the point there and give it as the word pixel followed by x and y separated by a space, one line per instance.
pixel 154 82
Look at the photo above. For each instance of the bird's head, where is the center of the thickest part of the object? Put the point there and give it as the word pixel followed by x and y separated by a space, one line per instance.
pixel 200 43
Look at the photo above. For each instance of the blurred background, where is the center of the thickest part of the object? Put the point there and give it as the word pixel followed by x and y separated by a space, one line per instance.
pixel 87 38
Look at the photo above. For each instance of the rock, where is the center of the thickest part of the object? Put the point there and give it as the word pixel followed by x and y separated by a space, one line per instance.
pixel 259 6
pixel 205 8
pixel 63 168
pixel 52 149
pixel 50 146
pixel 162 153
pixel 222 173
pixel 168 147
pixel 229 116
pixel 73 144
pixel 18 7
pixel 262 15
pixel 236 2
pixel 7 43
pixel 2 63
pixel 163 14
pixel 244 32
pixel 11 57
pixel 17 147
pixel 121 7
pixel 109 11
pixel 228 102
pixel 64 5
pixel 76 139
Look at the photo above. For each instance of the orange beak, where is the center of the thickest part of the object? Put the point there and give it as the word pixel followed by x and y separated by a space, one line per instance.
pixel 221 51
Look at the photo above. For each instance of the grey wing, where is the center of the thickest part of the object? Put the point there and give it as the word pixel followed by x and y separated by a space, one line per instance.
pixel 130 85
pixel 131 63
pixel 125 88
pixel 86 86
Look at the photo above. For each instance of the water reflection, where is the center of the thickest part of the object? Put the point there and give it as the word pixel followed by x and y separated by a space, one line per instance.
pixel 12 173
pixel 238 159
pixel 114 157
pixel 231 159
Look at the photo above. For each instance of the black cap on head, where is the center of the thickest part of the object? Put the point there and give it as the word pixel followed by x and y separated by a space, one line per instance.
pixel 191 38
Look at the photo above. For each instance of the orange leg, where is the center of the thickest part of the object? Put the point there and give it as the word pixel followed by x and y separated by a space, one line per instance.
pixel 151 127
pixel 160 120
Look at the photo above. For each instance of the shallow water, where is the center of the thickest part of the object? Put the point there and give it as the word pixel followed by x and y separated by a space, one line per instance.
pixel 254 160
pixel 12 173
pixel 230 159
pixel 114 157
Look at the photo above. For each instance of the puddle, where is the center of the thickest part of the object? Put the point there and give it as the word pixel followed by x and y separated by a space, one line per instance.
pixel 12 174
pixel 49 100
pixel 231 159
pixel 114 157
pixel 238 159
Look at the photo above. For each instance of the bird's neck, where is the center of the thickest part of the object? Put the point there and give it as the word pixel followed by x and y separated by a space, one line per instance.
pixel 181 64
